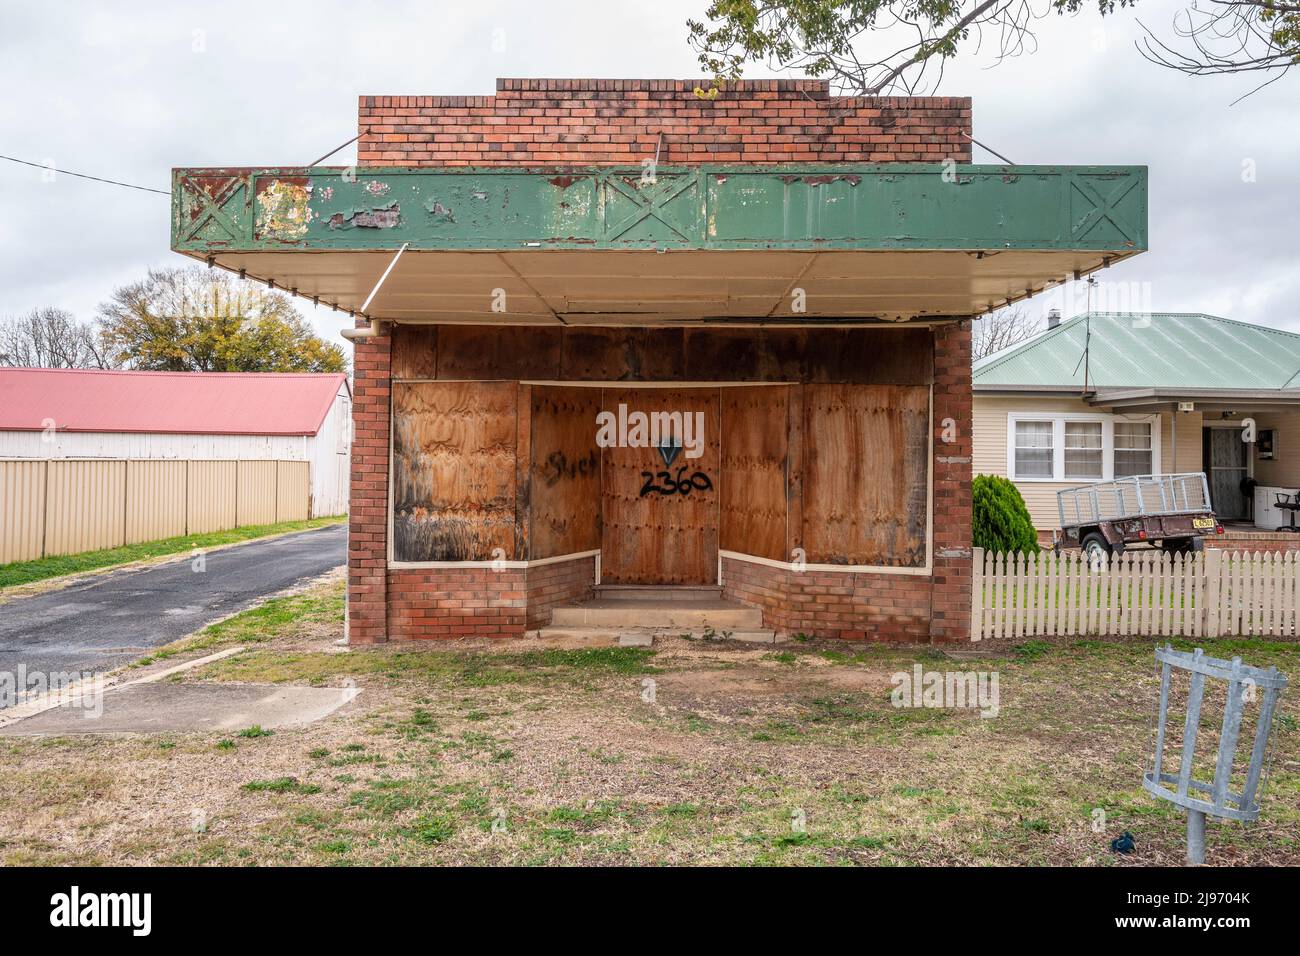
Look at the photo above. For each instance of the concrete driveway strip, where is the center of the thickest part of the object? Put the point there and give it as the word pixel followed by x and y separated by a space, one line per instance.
pixel 111 619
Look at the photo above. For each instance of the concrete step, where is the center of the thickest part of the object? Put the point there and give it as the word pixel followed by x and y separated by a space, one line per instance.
pixel 655 592
pixel 643 636
pixel 695 615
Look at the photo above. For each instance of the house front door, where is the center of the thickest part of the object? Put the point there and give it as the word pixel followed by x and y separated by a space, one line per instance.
pixel 1225 466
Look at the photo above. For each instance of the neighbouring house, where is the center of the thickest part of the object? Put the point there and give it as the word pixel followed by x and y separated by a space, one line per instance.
pixel 97 459
pixel 1106 395
pixel 614 338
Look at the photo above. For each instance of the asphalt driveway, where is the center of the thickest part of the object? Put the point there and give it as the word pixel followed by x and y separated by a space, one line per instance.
pixel 113 618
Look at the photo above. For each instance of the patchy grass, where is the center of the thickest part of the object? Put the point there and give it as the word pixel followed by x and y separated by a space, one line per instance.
pixel 280 785
pixel 28 572
pixel 686 753
pixel 317 610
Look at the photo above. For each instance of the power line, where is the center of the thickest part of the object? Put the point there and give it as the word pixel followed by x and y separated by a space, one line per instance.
pixel 111 182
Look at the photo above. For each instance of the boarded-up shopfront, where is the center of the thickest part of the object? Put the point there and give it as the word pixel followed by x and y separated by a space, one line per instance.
pixel 743 365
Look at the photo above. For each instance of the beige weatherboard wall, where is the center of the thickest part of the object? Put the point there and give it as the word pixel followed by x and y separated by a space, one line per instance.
pixel 56 507
pixel 993 424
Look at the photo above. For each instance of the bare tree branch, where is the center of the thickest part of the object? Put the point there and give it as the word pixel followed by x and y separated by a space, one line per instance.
pixel 50 338
pixel 825 37
pixel 1231 36
pixel 1000 330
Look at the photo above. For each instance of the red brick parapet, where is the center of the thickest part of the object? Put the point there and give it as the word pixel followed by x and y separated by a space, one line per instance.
pixel 621 122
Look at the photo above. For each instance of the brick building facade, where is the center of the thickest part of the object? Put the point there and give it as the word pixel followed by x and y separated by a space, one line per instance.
pixel 795 271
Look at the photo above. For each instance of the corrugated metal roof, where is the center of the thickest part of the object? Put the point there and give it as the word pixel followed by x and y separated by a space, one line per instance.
pixel 186 403
pixel 1154 350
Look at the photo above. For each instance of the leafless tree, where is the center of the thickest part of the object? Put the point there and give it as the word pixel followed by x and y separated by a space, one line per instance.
pixel 1230 36
pixel 51 338
pixel 1000 330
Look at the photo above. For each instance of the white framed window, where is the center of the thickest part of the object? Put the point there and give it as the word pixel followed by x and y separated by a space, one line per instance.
pixel 1032 449
pixel 1084 452
pixel 1079 447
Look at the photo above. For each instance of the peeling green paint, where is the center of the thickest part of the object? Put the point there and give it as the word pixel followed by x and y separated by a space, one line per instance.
pixel 914 206
pixel 283 210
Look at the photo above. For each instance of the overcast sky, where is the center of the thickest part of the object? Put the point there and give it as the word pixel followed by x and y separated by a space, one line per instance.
pixel 128 90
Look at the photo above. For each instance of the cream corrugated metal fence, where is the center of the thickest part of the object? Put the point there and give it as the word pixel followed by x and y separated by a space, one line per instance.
pixel 1138 593
pixel 52 507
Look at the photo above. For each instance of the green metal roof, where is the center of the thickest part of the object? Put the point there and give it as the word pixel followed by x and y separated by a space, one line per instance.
pixel 1149 350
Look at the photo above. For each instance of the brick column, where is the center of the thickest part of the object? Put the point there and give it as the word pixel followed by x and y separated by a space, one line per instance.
pixel 950 594
pixel 368 512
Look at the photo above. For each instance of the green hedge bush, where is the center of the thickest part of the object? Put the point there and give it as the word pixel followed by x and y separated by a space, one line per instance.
pixel 1000 522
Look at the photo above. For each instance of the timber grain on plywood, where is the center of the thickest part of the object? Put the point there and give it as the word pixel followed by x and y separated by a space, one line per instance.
pixel 454 471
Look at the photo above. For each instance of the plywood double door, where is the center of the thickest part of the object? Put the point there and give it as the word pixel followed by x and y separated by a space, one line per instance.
pixel 660 501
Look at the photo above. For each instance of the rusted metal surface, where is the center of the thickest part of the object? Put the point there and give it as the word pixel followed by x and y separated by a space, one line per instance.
pixel 800 206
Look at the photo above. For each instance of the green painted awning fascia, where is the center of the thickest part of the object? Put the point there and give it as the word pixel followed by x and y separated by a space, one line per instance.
pixel 924 207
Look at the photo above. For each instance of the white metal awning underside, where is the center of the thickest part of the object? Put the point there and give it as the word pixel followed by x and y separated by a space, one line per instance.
pixel 644 287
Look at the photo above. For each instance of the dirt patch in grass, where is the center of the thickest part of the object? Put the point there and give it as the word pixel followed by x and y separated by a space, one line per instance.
pixel 691 752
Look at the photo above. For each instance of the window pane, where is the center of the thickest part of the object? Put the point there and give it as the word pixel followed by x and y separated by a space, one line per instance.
pixel 1132 463
pixel 1083 449
pixel 1083 435
pixel 1132 449
pixel 1133 436
pixel 1033 434
pixel 1033 463
pixel 1033 449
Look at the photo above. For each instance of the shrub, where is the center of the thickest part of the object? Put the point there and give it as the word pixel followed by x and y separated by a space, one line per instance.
pixel 1000 522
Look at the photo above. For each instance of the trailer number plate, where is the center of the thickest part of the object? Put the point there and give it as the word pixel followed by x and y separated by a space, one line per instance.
pixel 1202 522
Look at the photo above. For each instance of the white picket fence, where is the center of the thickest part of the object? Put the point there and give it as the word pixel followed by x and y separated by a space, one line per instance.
pixel 1139 593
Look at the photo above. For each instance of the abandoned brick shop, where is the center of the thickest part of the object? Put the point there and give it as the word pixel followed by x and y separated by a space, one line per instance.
pixel 620 345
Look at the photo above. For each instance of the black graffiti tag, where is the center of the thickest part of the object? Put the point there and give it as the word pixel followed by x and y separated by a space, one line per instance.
pixel 681 485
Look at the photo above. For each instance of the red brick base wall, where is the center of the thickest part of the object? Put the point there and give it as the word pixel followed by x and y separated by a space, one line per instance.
pixel 1275 541
pixel 848 605
pixel 480 602
pixel 552 585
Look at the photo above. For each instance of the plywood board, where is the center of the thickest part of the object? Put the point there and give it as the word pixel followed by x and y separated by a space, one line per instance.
pixel 564 477
pixel 754 470
pixel 660 521
pixel 454 471
pixel 414 351
pixel 866 471
pixel 504 352
pixel 869 356
pixel 622 355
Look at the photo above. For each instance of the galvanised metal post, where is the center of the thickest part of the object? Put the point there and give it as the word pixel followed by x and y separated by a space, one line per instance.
pixel 1198 798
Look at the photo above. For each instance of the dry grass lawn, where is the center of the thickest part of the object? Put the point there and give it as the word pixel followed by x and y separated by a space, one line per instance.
pixel 688 753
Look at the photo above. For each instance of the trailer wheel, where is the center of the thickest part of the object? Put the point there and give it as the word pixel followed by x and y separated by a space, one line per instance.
pixel 1095 547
